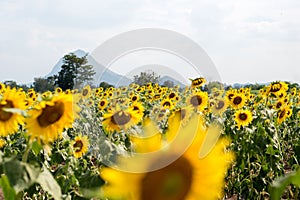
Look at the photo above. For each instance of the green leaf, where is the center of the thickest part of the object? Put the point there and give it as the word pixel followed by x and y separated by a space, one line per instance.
pixel 8 191
pixel 36 148
pixel 20 175
pixel 1 159
pixel 49 184
pixel 270 150
pixel 15 110
pixel 279 185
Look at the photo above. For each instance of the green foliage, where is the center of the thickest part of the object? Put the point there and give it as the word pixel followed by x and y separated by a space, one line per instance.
pixel 8 191
pixel 280 184
pixel 146 77
pixel 48 183
pixel 264 150
pixel 105 85
pixel 215 84
pixel 20 176
pixel 74 72
pixel 43 84
pixel 168 83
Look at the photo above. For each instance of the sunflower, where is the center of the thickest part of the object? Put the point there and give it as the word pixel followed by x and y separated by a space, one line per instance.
pixel 138 109
pixel 243 118
pixel 183 114
pixel 198 100
pixel 134 85
pixel 293 91
pixel 156 96
pixel 2 87
pixel 281 94
pixel 279 104
pixel 12 103
pixel 277 87
pixel 86 92
pixel 49 118
pixel 149 140
pixel 230 93
pixel 197 82
pixel 167 103
pixel 102 104
pixel 160 114
pixel 140 89
pixel 172 95
pixel 89 103
pixel 46 95
pixel 98 90
pixel 238 101
pixel 284 113
pixel 80 146
pixel 182 176
pixel 120 119
pixel 58 90
pixel 219 106
pixel 2 143
pixel 134 98
pixel 216 93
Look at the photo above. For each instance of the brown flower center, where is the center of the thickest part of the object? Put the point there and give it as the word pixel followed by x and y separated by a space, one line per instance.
pixel 237 100
pixel 102 103
pixel 230 96
pixel 220 105
pixel 243 116
pixel 4 116
pixel 172 95
pixel 278 105
pixel 166 104
pixel 282 114
pixel 134 98
pixel 85 92
pixel 51 114
pixel 275 87
pixel 78 145
pixel 136 108
pixel 121 118
pixel 169 183
pixel 196 100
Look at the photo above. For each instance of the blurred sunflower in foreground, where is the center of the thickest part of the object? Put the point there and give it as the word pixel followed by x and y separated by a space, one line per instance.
pixel 191 166
pixel 12 102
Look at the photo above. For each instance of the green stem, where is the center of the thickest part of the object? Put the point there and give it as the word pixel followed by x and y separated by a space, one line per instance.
pixel 26 152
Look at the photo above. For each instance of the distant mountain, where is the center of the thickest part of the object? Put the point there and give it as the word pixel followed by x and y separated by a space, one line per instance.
pixel 168 78
pixel 106 75
pixel 102 74
pixel 57 66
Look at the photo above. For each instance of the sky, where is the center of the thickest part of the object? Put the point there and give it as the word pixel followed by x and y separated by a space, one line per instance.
pixel 250 41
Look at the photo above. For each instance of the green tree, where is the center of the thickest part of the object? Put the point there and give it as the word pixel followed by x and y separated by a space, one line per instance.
pixel 14 84
pixel 85 75
pixel 146 77
pixel 168 83
pixel 11 83
pixel 105 85
pixel 214 84
pixel 43 84
pixel 74 72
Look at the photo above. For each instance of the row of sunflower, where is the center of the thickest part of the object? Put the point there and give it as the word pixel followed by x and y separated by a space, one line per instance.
pixel 148 142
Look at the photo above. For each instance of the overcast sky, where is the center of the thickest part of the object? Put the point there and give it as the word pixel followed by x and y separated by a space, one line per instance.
pixel 248 41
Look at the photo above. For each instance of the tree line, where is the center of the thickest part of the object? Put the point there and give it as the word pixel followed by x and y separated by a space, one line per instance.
pixel 75 72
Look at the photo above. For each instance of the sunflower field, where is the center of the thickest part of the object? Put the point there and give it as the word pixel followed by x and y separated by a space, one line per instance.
pixel 150 142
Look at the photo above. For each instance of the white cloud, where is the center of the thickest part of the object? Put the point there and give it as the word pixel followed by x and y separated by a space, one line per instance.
pixel 237 35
